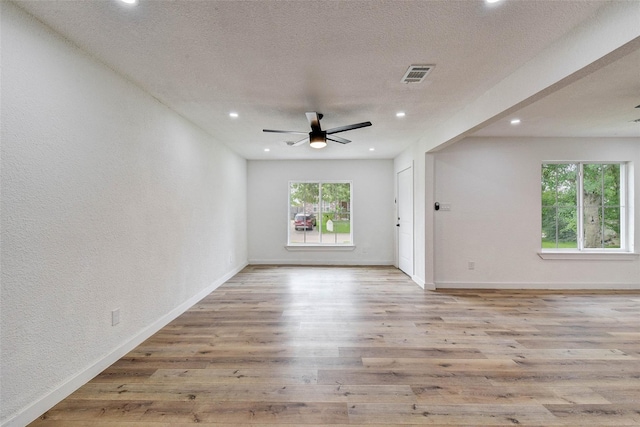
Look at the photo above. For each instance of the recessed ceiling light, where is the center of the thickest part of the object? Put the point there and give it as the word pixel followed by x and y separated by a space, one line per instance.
pixel 372 149
pixel 492 1
pixel 267 150
pixel 233 115
pixel 129 1
pixel 400 114
pixel 515 121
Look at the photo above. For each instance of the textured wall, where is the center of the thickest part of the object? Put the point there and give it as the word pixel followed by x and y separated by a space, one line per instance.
pixel 372 210
pixel 493 187
pixel 109 200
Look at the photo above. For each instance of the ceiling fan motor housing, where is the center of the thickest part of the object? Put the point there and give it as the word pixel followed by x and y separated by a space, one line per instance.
pixel 318 139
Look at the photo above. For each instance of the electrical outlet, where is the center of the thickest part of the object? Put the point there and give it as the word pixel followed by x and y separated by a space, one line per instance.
pixel 115 317
pixel 472 265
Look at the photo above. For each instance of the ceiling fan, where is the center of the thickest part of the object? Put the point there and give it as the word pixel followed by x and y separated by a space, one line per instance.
pixel 318 137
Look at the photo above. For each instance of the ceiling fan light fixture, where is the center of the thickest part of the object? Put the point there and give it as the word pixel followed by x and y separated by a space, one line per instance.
pixel 317 141
pixel 318 137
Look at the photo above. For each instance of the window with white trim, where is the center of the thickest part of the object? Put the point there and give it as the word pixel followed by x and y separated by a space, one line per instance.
pixel 320 213
pixel 584 206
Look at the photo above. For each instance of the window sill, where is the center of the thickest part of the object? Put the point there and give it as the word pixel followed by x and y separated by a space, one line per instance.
pixel 589 256
pixel 317 248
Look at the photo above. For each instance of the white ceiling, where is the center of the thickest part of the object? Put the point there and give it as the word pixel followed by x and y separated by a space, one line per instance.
pixel 271 61
pixel 600 104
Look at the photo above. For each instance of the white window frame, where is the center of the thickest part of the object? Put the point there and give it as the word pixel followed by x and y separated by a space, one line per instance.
pixel 293 246
pixel 625 251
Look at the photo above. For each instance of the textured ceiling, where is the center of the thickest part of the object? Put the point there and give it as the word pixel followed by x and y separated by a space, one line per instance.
pixel 272 61
pixel 598 105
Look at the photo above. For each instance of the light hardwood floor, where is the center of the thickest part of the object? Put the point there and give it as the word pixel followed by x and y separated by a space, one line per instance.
pixel 359 346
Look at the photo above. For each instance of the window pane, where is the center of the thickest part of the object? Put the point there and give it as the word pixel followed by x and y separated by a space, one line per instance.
pixel 611 227
pixel 303 202
pixel 592 227
pixel 592 185
pixel 304 194
pixel 336 213
pixel 566 184
pixel 304 235
pixel 549 227
pixel 567 228
pixel 549 184
pixel 611 177
pixel 559 206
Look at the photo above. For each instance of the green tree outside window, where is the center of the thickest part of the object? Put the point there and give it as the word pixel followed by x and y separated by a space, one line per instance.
pixel 581 206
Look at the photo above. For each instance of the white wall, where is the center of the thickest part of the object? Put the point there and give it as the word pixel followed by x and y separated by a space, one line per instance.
pixel 493 186
pixel 109 201
pixel 372 210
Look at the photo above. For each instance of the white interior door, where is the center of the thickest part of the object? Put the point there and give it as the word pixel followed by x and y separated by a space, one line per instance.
pixel 405 220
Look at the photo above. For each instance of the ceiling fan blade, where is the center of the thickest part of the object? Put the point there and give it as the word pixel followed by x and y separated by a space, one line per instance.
pixel 295 144
pixel 314 121
pixel 285 131
pixel 348 127
pixel 338 139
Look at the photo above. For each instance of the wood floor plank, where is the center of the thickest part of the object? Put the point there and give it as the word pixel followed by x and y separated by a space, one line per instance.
pixel 427 414
pixel 71 423
pixel 443 364
pixel 274 413
pixel 625 394
pixel 244 393
pixel 395 376
pixel 611 415
pixel 356 346
pixel 576 394
pixel 411 352
pixel 481 393
pixel 236 376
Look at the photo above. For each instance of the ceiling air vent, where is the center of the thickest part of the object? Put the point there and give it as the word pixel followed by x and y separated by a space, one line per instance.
pixel 417 73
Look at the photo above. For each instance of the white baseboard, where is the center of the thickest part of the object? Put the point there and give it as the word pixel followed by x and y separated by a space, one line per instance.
pixel 429 286
pixel 538 285
pixel 312 261
pixel 46 402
